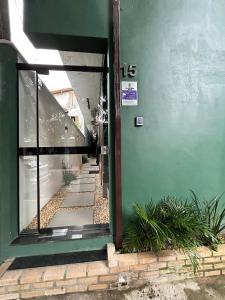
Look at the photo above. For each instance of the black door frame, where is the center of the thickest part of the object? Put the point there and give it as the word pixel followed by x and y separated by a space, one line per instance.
pixel 37 151
pixel 115 9
pixel 117 108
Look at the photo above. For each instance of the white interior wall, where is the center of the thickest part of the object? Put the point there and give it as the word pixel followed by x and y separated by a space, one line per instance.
pixel 69 102
pixel 85 85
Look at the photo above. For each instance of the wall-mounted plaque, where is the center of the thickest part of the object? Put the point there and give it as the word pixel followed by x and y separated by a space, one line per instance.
pixel 129 93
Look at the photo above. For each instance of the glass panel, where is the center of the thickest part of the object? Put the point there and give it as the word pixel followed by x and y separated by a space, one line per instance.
pixel 59 204
pixel 72 113
pixel 71 192
pixel 27 138
pixel 56 127
pixel 61 105
pixel 74 189
pixel 82 59
pixel 27 109
pixel 28 193
pixel 54 57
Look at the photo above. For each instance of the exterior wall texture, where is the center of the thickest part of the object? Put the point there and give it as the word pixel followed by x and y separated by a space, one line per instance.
pixel 87 18
pixel 8 147
pixel 179 49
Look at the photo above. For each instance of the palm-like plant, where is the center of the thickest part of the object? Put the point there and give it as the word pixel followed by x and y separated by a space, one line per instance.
pixel 145 230
pixel 212 213
pixel 186 231
pixel 169 224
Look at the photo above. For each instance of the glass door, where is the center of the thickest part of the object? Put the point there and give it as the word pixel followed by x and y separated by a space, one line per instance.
pixel 63 141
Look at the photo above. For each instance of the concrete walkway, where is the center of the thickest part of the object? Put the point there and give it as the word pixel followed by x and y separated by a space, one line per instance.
pixel 199 289
pixel 77 209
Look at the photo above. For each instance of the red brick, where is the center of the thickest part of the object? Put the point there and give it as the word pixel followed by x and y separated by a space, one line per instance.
pixel 76 271
pixel 42 285
pixel 219 265
pixel 18 287
pixel 204 252
pixel 146 258
pixel 119 269
pixel 56 291
pixel 66 282
pixel 157 266
pixel 212 259
pixel 9 296
pixel 167 255
pixel 10 278
pixel 76 288
pixel 32 275
pixel 32 294
pixel 108 278
pixel 212 273
pixel 54 273
pixel 127 259
pixel 138 267
pixel 149 275
pixel 97 268
pixel 88 280
pixel 220 250
pixel 97 287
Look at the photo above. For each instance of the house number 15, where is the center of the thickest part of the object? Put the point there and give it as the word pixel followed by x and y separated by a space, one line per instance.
pixel 129 70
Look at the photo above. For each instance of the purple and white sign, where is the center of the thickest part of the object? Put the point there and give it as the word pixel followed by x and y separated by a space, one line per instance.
pixel 129 93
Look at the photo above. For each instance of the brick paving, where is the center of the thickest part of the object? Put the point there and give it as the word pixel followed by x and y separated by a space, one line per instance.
pixel 192 289
pixel 120 271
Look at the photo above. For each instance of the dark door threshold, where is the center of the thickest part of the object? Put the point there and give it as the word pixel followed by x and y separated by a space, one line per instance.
pixel 62 234
pixel 57 259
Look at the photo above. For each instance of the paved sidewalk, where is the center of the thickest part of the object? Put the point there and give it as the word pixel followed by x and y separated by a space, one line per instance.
pixel 200 289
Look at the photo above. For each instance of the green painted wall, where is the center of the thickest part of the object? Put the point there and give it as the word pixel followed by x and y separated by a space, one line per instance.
pixel 67 25
pixel 87 18
pixel 8 147
pixel 179 48
pixel 8 172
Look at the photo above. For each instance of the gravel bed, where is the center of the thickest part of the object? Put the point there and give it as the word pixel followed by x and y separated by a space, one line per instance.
pixel 101 208
pixel 49 210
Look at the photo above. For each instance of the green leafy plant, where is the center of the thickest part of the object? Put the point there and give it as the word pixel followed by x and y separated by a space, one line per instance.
pixel 145 231
pixel 68 175
pixel 212 213
pixel 169 224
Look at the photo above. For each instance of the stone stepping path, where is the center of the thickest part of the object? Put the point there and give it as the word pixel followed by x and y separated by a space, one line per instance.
pixel 90 169
pixel 79 188
pixel 83 181
pixel 85 172
pixel 78 217
pixel 77 208
pixel 86 176
pixel 78 199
